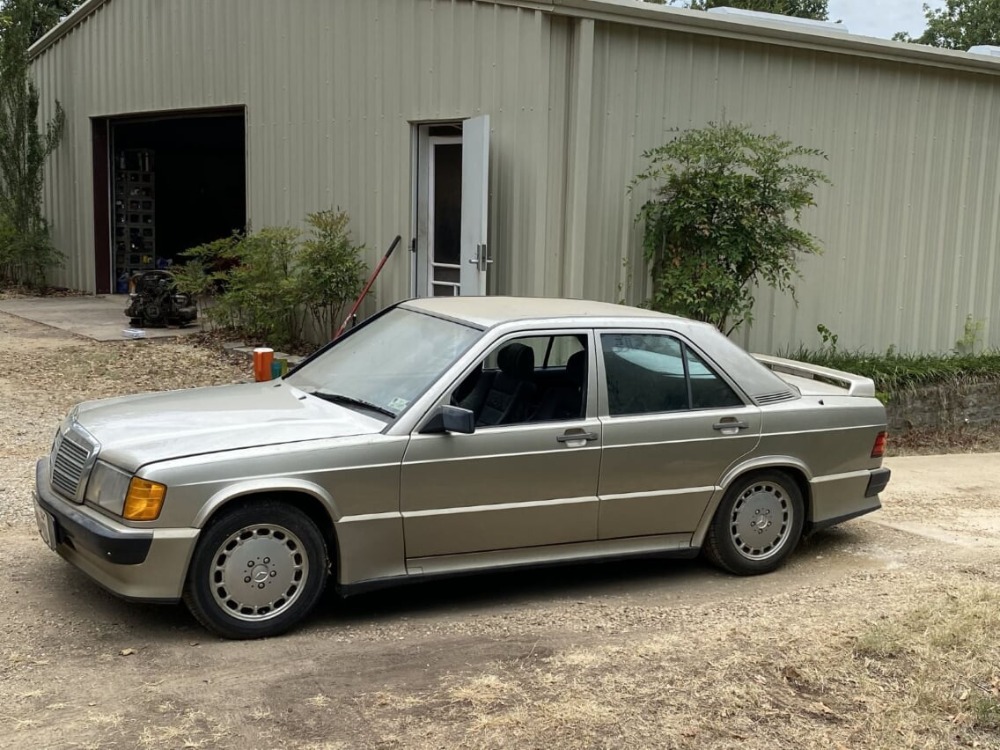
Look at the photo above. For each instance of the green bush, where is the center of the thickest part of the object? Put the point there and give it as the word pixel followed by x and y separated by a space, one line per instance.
pixel 723 220
pixel 268 284
pixel 26 255
pixel 260 295
pixel 331 270
pixel 26 250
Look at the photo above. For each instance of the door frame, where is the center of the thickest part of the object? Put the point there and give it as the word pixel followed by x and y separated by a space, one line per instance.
pixel 423 140
pixel 103 150
pixel 420 147
pixel 427 209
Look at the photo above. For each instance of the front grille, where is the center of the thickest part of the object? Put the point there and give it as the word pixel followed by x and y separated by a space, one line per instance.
pixel 70 461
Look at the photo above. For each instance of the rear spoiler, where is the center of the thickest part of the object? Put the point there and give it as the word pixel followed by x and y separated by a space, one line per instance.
pixel 856 385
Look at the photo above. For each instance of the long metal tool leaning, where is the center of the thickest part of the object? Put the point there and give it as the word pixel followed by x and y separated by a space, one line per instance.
pixel 368 286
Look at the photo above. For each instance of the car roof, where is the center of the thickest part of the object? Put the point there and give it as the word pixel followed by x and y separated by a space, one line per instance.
pixel 486 312
pixel 490 311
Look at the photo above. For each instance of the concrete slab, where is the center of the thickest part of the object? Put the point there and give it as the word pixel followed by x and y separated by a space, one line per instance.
pixel 101 318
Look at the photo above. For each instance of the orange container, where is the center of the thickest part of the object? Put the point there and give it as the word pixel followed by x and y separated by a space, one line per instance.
pixel 262 359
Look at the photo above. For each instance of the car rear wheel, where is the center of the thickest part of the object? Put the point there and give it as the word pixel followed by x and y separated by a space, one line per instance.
pixel 257 571
pixel 757 525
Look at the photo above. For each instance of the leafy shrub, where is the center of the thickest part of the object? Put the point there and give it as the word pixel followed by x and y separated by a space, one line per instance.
pixel 26 251
pixel 723 219
pixel 331 270
pixel 203 275
pixel 267 284
pixel 27 254
pixel 260 294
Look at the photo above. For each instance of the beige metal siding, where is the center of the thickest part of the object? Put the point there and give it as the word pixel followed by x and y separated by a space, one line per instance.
pixel 331 89
pixel 909 225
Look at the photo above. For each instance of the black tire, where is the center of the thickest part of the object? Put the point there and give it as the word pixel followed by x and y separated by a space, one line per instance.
pixel 758 524
pixel 257 571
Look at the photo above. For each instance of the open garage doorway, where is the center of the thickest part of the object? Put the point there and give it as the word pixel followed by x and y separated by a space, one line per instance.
pixel 171 182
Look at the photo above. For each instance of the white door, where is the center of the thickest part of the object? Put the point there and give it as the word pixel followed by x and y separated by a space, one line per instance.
pixel 475 202
pixel 452 195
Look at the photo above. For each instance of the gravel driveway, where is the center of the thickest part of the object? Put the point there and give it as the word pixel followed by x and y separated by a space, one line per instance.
pixel 878 633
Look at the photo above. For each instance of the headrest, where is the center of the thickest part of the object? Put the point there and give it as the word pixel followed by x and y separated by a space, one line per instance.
pixel 576 368
pixel 517 360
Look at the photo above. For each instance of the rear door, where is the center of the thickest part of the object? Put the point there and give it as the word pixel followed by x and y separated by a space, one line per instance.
pixel 672 424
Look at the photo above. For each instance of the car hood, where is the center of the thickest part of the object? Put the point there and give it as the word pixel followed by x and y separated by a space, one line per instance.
pixel 137 430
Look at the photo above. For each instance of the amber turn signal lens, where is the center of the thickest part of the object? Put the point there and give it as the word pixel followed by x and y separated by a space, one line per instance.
pixel 144 500
pixel 878 450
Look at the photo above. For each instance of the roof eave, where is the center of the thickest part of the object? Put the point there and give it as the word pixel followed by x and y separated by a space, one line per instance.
pixel 637 13
pixel 61 29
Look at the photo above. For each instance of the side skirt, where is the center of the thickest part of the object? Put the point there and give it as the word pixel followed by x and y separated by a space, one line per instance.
pixel 452 566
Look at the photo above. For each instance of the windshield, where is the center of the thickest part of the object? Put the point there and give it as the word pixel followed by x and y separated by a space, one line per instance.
pixel 388 363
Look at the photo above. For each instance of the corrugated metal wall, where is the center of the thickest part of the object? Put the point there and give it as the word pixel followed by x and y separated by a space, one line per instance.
pixel 910 224
pixel 331 88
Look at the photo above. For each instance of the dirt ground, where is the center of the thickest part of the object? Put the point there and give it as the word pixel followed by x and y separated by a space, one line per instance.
pixel 879 634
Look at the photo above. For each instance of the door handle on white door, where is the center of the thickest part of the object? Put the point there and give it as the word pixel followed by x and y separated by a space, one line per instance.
pixel 482 259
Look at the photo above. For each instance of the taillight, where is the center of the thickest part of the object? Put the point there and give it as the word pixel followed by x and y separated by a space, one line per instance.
pixel 878 450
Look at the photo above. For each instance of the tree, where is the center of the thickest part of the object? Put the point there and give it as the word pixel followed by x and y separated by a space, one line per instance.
pixel 44 14
pixel 26 251
pixel 959 25
pixel 815 9
pixel 723 219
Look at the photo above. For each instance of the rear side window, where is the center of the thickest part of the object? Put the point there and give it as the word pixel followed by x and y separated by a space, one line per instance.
pixel 654 373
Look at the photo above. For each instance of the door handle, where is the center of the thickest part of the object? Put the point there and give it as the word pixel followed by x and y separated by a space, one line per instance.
pixel 573 437
pixel 482 259
pixel 734 424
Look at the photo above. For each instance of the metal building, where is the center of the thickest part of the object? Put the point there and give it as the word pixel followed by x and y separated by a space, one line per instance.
pixel 498 138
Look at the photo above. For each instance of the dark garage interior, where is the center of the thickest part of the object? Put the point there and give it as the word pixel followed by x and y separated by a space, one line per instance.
pixel 176 182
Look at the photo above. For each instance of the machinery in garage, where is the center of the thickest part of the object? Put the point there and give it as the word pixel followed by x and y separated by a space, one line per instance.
pixel 155 301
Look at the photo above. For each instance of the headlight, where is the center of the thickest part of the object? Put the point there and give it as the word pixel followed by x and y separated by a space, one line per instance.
pixel 107 487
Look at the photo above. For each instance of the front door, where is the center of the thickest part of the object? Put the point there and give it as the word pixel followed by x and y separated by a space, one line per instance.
pixel 452 189
pixel 527 477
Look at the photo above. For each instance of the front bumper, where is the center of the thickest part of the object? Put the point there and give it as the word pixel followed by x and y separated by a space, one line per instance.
pixel 134 563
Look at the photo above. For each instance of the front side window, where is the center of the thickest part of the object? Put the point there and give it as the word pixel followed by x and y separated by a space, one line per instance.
pixel 528 379
pixel 653 373
pixel 388 363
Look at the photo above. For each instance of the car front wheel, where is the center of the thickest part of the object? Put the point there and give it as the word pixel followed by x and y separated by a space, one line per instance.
pixel 757 525
pixel 257 571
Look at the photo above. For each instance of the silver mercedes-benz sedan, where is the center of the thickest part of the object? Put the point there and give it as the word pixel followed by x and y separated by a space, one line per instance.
pixel 445 436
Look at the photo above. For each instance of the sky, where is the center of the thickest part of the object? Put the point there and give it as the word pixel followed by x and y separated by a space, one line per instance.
pixel 881 18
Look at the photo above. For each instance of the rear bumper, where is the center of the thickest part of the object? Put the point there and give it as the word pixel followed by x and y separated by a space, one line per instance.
pixel 841 497
pixel 140 564
pixel 877 482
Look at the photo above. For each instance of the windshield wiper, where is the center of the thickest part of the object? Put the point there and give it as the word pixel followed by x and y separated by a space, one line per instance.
pixel 338 398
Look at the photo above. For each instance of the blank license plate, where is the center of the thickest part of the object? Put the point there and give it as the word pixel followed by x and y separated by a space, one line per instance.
pixel 46 526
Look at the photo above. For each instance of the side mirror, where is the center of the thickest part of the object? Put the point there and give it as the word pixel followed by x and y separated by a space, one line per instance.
pixel 452 419
pixel 457 419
